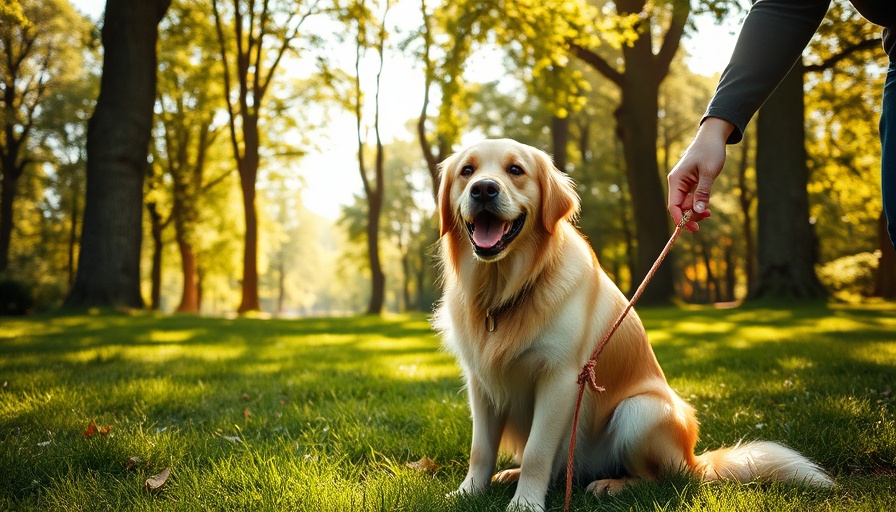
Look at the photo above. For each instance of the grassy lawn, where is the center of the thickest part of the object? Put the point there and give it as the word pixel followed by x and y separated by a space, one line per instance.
pixel 323 415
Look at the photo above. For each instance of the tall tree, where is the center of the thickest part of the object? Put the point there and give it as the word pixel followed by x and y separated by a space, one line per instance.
pixel 189 101
pixel 647 60
pixel 253 38
pixel 117 147
pixel 374 187
pixel 36 57
pixel 787 245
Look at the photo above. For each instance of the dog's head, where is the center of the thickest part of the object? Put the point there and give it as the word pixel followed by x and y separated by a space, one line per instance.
pixel 497 191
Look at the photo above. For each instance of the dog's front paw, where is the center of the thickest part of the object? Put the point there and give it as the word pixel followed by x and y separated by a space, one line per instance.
pixel 467 488
pixel 524 505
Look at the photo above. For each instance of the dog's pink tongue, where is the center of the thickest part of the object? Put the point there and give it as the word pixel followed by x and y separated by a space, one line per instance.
pixel 488 231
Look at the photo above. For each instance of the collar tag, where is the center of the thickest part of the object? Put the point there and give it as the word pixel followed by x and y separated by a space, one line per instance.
pixel 489 321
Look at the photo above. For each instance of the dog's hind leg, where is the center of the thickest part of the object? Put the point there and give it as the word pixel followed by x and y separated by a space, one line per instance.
pixel 649 436
pixel 507 476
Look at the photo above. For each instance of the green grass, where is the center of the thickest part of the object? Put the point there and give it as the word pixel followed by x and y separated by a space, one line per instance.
pixel 323 415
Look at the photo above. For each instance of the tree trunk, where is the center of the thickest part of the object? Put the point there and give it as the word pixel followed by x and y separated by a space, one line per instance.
pixel 8 185
pixel 117 146
pixel 885 278
pixel 745 199
pixel 637 126
pixel 712 284
pixel 199 294
pixel 156 227
pixel 11 163
pixel 406 281
pixel 560 140
pixel 377 277
pixel 281 283
pixel 787 245
pixel 730 272
pixel 189 297
pixel 248 169
pixel 73 235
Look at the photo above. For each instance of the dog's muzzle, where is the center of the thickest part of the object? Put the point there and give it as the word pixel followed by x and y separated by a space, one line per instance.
pixel 489 233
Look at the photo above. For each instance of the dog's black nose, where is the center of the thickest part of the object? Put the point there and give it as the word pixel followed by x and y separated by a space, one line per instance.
pixel 484 191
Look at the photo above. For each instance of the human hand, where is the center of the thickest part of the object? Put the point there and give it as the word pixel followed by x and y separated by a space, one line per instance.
pixel 690 181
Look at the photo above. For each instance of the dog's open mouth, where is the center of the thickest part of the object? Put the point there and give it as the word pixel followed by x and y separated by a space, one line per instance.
pixel 491 235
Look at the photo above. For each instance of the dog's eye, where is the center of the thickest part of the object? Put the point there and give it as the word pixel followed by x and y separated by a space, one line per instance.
pixel 466 170
pixel 516 170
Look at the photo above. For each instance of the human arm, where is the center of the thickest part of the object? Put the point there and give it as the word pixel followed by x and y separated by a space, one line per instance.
pixel 773 36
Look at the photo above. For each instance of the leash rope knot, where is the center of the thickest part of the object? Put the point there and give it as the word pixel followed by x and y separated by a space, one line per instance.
pixel 588 375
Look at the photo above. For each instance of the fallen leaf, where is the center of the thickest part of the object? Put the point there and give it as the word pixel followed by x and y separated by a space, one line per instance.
pixel 424 465
pixel 155 482
pixel 246 413
pixel 90 431
pixel 131 463
pixel 105 430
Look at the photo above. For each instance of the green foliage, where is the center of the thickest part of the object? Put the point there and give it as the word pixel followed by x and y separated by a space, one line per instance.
pixel 853 274
pixel 843 143
pixel 324 414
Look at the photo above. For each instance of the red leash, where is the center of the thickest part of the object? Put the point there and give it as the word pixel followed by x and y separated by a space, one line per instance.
pixel 588 376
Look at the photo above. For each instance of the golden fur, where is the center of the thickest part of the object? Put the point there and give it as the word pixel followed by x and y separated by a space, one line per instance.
pixel 522 323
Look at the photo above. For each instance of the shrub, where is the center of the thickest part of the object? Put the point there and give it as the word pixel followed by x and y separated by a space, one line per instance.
pixel 850 274
pixel 15 298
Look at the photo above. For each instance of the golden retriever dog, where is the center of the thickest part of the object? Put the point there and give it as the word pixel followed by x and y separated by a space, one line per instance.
pixel 525 303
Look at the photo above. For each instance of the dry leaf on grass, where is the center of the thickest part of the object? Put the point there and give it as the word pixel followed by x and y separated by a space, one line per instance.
pixel 90 431
pixel 131 463
pixel 424 465
pixel 155 482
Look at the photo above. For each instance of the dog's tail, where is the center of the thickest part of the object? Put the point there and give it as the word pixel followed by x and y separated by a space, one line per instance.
pixel 761 461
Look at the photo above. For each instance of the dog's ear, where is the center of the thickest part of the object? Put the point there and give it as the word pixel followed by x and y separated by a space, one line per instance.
pixel 446 216
pixel 559 198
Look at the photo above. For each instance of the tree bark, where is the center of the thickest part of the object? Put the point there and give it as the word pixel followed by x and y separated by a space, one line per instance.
pixel 374 210
pixel 248 168
pixel 787 245
pixel 8 185
pixel 637 125
pixel 156 226
pixel 745 200
pixel 560 140
pixel 189 297
pixel 73 236
pixel 117 146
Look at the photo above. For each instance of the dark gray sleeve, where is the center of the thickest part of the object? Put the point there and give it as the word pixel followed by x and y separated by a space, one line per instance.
pixel 773 36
